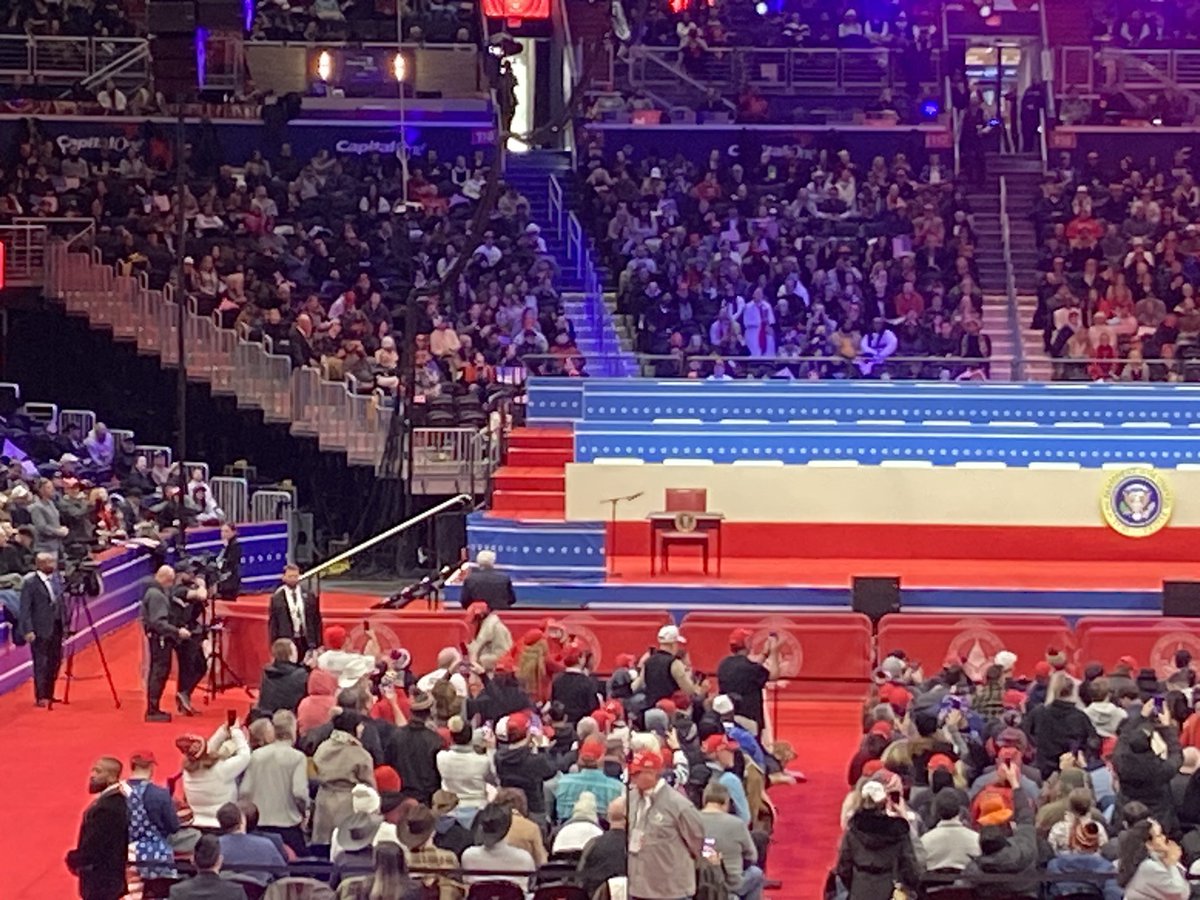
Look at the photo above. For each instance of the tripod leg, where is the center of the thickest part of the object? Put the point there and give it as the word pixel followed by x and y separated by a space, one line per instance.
pixel 112 688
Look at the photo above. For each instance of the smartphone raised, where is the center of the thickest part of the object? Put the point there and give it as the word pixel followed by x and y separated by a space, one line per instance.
pixel 231 717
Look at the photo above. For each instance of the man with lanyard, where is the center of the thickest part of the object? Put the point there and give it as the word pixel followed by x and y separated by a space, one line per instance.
pixel 666 834
pixel 293 614
pixel 155 616
pixel 664 673
pixel 187 606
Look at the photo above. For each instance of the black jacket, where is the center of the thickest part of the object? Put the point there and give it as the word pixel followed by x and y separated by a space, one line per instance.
pixel 229 568
pixel 520 767
pixel 1017 859
pixel 578 692
pixel 207 886
pixel 1059 727
pixel 283 686
pixel 1146 778
pixel 40 612
pixel 412 752
pixel 100 854
pixel 279 619
pixel 498 699
pixel 492 587
pixel 603 858
pixel 876 852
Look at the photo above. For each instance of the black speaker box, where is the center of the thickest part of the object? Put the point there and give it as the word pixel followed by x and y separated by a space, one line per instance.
pixel 1181 599
pixel 171 17
pixel 875 597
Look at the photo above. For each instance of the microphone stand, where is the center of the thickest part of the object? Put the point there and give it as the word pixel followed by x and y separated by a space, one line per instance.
pixel 611 554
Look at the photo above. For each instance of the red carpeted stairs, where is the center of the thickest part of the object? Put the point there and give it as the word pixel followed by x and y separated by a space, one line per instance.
pixel 532 482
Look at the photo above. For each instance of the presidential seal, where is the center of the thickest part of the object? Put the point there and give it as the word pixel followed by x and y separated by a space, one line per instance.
pixel 1136 502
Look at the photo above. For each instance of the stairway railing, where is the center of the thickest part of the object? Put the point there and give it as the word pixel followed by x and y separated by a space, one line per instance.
pixel 1010 285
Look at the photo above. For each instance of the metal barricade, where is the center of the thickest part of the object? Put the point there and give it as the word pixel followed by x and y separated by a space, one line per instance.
pixel 121 434
pixel 332 432
pixel 58 58
pixel 150 451
pixel 306 386
pixel 232 495
pixel 84 418
pixel 190 467
pixel 45 414
pixel 272 506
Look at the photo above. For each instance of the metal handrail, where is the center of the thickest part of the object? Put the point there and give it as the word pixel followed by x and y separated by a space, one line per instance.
pixel 639 52
pixel 1010 284
pixel 384 535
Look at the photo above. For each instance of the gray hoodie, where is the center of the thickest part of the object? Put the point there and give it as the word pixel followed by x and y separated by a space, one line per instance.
pixel 1106 717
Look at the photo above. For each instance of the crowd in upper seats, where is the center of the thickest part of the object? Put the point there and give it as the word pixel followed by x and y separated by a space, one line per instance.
pixel 514 758
pixel 1138 25
pixel 321 255
pixel 1117 289
pixel 71 18
pixel 69 493
pixel 803 255
pixel 365 20
pixel 1001 772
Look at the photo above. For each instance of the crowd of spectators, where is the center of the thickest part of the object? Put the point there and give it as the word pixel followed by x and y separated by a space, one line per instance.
pixel 321 255
pixel 1005 775
pixel 806 256
pixel 1117 289
pixel 512 763
pixel 70 494
pixel 1141 26
pixel 366 20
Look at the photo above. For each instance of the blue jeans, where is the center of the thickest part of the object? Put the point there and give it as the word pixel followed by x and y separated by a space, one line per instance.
pixel 751 887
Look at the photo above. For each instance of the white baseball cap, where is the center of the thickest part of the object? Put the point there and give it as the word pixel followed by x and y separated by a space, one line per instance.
pixel 722 705
pixel 669 634
pixel 1005 659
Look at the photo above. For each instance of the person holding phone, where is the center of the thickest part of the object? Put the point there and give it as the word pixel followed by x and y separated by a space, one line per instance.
pixel 745 674
pixel 211 769
pixel 1143 774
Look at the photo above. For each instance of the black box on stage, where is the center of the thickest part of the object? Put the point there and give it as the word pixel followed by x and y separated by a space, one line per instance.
pixel 1181 599
pixel 875 597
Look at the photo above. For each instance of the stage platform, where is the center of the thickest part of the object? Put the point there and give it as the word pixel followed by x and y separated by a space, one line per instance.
pixel 974 586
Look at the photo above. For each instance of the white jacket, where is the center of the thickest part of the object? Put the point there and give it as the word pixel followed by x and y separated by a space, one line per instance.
pixel 207 790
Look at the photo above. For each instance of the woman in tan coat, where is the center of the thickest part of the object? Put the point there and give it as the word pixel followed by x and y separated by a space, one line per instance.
pixel 341 763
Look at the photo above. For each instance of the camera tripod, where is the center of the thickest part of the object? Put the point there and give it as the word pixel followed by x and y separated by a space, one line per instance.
pixel 220 675
pixel 77 608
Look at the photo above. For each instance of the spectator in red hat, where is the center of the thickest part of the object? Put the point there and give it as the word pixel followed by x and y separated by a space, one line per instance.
pixel 348 665
pixel 501 695
pixel 666 835
pixel 575 688
pixel 489 635
pixel 520 764
pixel 720 755
pixel 589 777
pixel 152 819
pixel 743 675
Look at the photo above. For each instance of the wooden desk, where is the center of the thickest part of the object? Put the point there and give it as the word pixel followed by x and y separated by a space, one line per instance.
pixel 662 528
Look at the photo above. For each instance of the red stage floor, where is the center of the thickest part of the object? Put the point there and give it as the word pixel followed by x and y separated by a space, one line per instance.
pixel 999 574
pixel 51 751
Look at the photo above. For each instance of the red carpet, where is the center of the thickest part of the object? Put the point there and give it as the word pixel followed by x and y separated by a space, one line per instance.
pixel 50 754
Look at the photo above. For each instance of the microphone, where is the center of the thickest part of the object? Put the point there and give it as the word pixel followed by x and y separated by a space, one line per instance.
pixel 634 496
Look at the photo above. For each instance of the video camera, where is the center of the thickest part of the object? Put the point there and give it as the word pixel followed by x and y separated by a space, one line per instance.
pixel 81 573
pixel 200 565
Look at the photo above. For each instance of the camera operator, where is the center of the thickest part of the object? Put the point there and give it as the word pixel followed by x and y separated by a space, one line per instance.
pixel 189 598
pixel 229 564
pixel 155 615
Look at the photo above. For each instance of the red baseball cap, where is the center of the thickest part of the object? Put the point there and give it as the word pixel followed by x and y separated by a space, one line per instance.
pixel 716 742
pixel 739 638
pixel 645 761
pixel 871 766
pixel 881 727
pixel 940 761
pixel 142 758
pixel 1128 662
pixel 591 751
pixel 335 636
pixel 603 719
pixel 614 708
pixel 626 661
pixel 1041 669
pixel 387 780
pixel 478 610
pixel 1014 699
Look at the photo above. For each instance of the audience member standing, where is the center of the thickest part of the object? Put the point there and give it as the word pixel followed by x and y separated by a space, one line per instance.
pixel 294 614
pixel 341 763
pixel 48 529
pixel 666 834
pixel 412 751
pixel 487 585
pixel 210 771
pixel 42 621
pixel 276 781
pixel 102 851
pixel 152 819
pixel 744 676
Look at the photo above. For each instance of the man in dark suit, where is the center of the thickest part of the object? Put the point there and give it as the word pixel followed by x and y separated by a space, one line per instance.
pixel 100 856
pixel 41 621
pixel 300 347
pixel 486 584
pixel 229 564
pixel 207 884
pixel 294 614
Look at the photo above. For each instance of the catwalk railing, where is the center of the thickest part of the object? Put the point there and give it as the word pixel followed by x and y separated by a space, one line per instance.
pixel 782 69
pixel 1088 71
pixel 55 59
pixel 340 417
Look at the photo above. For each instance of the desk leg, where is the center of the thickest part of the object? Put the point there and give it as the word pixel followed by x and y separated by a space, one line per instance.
pixel 720 549
pixel 653 549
